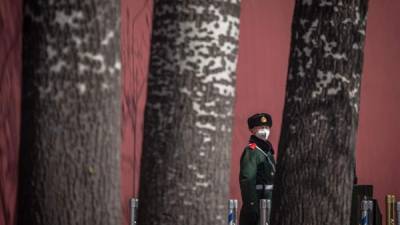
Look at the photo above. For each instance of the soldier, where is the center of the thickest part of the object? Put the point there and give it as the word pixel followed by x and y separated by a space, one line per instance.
pixel 257 168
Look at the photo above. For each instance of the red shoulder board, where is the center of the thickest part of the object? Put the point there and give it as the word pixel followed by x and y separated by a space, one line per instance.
pixel 252 146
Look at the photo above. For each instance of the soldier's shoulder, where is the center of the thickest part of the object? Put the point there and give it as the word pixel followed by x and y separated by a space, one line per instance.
pixel 251 147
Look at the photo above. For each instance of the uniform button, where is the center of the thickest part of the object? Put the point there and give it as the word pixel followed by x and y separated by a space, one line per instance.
pixel 272 173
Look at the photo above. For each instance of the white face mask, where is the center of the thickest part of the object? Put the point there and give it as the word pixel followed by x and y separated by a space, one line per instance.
pixel 262 133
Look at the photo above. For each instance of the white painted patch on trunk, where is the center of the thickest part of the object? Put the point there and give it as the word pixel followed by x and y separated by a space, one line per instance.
pixel 206 139
pixel 43 91
pixel 307 35
pixel 51 52
pixel 307 51
pixel 185 90
pixel 301 72
pixel 77 40
pixel 199 112
pixel 208 126
pixel 59 95
pixel 192 167
pixel 58 66
pixel 292 128
pixel 334 91
pixel 225 89
pixel 63 19
pixel 82 68
pixel 117 65
pixel 108 37
pixel 325 3
pixel 217 77
pixel 298 52
pixel 307 2
pixel 81 88
pixel 325 79
pixel 202 184
pixel 309 63
pixel 358 17
pixel 297 99
pixel 95 57
pixel 303 22
pixel 187 203
pixel 328 48
pixel 200 176
pixel 105 86
pixel 347 20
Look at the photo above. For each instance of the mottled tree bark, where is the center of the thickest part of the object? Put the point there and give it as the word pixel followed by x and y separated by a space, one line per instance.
pixel 316 150
pixel 71 113
pixel 188 117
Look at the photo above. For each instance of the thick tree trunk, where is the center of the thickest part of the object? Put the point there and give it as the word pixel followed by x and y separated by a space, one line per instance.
pixel 71 113
pixel 316 150
pixel 188 117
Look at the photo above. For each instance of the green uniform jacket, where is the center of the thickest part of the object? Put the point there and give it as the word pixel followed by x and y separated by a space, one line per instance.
pixel 257 167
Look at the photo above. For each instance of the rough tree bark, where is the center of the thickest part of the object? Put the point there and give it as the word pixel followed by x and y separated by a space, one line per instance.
pixel 320 119
pixel 188 116
pixel 71 113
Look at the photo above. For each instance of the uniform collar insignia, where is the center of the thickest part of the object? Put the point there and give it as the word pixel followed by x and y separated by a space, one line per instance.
pixel 264 145
pixel 252 146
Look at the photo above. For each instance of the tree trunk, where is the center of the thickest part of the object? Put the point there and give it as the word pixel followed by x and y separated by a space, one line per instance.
pixel 188 117
pixel 316 150
pixel 71 113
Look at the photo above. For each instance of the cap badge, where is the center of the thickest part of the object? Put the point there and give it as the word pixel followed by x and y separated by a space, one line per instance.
pixel 263 119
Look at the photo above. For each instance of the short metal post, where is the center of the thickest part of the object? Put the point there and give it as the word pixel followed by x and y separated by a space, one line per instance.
pixel 370 212
pixel 263 212
pixel 364 212
pixel 134 208
pixel 398 213
pixel 232 212
pixel 390 209
pixel 268 211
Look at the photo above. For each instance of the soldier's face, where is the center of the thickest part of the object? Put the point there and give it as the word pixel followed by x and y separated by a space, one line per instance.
pixel 255 129
pixel 262 132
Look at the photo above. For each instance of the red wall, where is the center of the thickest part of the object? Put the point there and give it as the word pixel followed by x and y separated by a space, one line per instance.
pixel 378 152
pixel 261 75
pixel 10 81
pixel 135 45
pixel 262 70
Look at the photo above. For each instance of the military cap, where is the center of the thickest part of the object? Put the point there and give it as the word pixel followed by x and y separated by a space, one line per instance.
pixel 259 119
